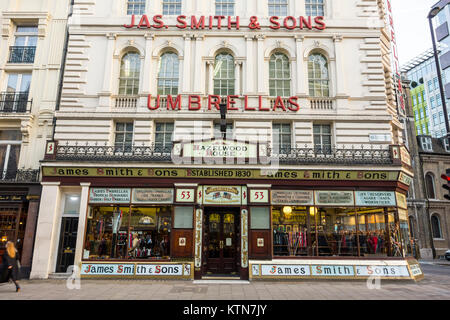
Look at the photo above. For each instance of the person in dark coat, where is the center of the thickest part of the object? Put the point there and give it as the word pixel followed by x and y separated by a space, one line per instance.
pixel 10 264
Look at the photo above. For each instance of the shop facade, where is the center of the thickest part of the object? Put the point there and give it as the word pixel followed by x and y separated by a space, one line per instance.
pixel 200 223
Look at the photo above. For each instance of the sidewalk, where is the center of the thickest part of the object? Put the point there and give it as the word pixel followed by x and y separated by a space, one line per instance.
pixel 440 262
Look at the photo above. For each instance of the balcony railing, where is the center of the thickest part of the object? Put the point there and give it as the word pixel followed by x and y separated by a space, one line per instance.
pixel 19 176
pixel 126 102
pixel 14 102
pixel 345 154
pixel 113 153
pixel 21 54
pixel 321 103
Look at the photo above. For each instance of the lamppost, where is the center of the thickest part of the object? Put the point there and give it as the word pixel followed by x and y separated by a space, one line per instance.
pixel 223 120
pixel 431 15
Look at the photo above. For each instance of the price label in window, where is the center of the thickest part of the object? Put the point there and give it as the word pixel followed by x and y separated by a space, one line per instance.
pixel 259 196
pixel 185 195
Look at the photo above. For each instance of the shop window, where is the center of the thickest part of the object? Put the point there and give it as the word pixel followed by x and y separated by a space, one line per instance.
pixel 184 218
pixel 171 7
pixel 429 182
pixel 123 136
pixel 115 233
pixel 373 235
pixel 278 8
pixel 169 71
pixel 322 138
pixel 12 226
pixel 290 231
pixel 436 227
pixel 281 138
pixel 10 143
pixel 260 218
pixel 136 7
pixel 279 75
pixel 224 75
pixel 318 77
pixel 225 7
pixel 129 74
pixel 163 137
pixel 314 8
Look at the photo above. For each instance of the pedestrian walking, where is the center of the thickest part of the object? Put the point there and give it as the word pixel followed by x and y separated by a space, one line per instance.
pixel 11 266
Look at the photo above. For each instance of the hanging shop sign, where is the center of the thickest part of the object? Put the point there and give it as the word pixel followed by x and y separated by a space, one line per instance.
pixel 231 23
pixel 153 195
pixel 317 175
pixel 403 214
pixel 375 198
pixel 136 269
pixel 216 149
pixel 334 198
pixel 292 197
pixel 405 156
pixel 109 195
pixel 401 200
pixel 222 195
pixel 259 196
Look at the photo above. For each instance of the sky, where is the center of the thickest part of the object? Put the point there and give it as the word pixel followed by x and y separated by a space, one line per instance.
pixel 411 27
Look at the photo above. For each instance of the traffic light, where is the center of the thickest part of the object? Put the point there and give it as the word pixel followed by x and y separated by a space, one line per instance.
pixel 446 186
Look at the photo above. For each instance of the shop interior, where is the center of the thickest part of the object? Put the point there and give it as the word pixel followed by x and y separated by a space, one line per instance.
pixel 325 231
pixel 128 232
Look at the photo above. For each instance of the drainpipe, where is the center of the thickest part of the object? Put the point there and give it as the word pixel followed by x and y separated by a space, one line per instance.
pixel 63 67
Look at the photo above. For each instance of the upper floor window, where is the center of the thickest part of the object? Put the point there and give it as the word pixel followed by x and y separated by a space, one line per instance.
pixel 129 74
pixel 322 138
pixel 426 144
pixel 124 136
pixel 319 83
pixel 282 138
pixel 436 227
pixel 224 76
pixel 25 42
pixel 168 75
pixel 171 7
pixel 136 7
pixel 15 99
pixel 278 8
pixel 315 8
pixel 163 136
pixel 10 142
pixel 433 105
pixel 218 132
pixel 225 7
pixel 279 75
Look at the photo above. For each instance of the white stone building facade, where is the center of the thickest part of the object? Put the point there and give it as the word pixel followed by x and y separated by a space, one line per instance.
pixel 141 76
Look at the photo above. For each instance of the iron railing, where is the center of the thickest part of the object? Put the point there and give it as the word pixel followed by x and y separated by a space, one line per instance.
pixel 345 154
pixel 21 54
pixel 14 102
pixel 113 153
pixel 19 175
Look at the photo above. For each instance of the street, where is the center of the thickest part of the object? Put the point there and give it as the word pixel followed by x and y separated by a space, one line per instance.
pixel 435 286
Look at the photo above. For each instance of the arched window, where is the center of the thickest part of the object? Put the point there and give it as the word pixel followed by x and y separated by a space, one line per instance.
pixel 168 75
pixel 318 76
pixel 429 183
pixel 224 78
pixel 129 74
pixel 436 227
pixel 315 8
pixel 279 76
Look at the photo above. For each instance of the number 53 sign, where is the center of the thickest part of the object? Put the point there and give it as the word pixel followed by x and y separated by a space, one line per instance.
pixel 185 195
pixel 259 196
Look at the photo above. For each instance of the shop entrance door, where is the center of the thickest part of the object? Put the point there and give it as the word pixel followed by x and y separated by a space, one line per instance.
pixel 67 243
pixel 221 240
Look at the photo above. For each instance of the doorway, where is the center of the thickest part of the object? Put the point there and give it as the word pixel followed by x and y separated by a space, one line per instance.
pixel 67 243
pixel 222 240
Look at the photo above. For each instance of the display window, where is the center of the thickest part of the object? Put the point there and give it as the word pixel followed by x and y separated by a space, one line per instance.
pixel 116 232
pixel 338 231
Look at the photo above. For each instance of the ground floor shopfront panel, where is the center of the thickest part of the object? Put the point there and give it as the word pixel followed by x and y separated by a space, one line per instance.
pixel 237 225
